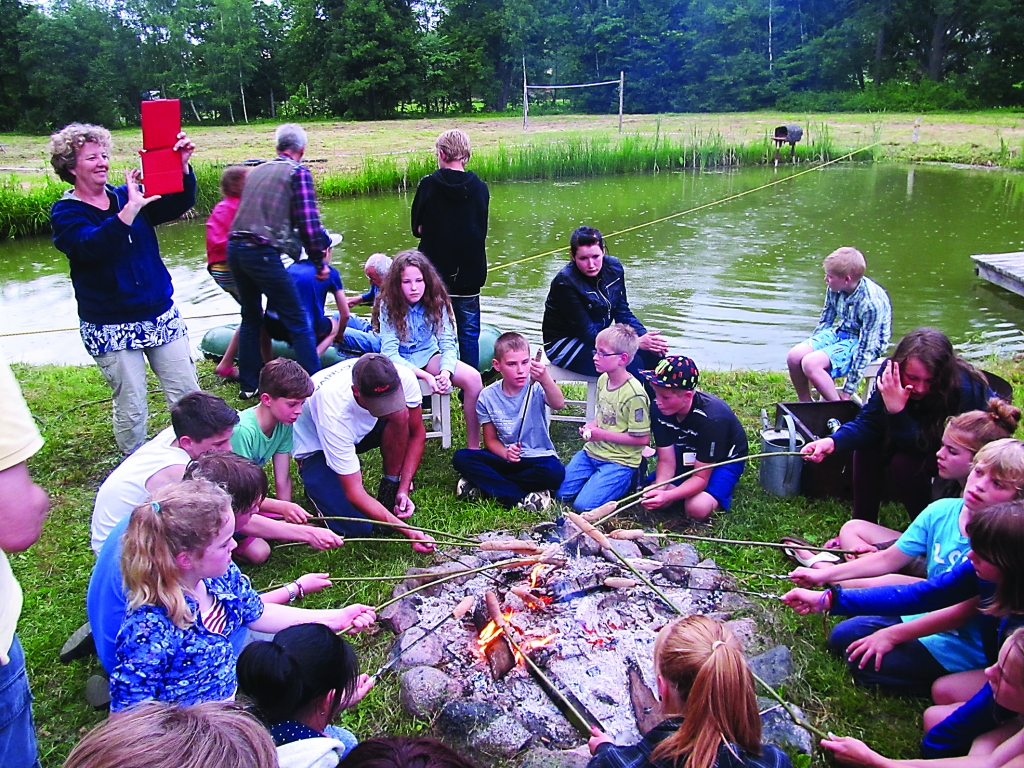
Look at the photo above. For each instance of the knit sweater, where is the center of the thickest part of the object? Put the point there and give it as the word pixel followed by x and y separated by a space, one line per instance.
pixel 116 269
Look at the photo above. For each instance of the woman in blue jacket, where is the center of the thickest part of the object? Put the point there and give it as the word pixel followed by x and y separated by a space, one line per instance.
pixel 586 296
pixel 900 427
pixel 122 287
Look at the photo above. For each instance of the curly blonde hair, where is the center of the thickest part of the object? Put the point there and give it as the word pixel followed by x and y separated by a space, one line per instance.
pixel 66 142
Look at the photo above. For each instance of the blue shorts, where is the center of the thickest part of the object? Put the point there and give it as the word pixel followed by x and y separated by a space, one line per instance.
pixel 838 346
pixel 720 485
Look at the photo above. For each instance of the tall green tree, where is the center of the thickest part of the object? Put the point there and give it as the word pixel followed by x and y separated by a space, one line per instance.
pixel 13 84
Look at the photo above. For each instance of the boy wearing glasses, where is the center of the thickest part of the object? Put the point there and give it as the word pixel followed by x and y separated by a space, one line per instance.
pixel 606 468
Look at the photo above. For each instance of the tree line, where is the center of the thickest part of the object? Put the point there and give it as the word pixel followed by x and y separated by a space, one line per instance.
pixel 238 60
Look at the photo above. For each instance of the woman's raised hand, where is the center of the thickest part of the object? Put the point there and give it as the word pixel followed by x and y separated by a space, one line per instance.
pixel 890 387
pixel 186 147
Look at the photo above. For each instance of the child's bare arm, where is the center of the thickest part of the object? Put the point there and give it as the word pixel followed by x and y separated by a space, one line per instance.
pixel 599 434
pixel 554 398
pixel 283 477
pixel 492 443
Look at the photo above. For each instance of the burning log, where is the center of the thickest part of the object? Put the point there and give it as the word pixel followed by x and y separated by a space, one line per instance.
pixel 646 707
pixel 571 707
pixel 493 643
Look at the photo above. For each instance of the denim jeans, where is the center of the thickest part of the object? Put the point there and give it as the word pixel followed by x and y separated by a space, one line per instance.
pixel 125 373
pixel 909 668
pixel 589 483
pixel 508 481
pixel 17 733
pixel 467 328
pixel 259 272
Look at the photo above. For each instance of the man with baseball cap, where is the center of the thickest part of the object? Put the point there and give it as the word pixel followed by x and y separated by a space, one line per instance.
pixel 357 405
pixel 691 430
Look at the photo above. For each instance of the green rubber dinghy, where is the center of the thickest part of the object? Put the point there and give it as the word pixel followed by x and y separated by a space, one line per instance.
pixel 216 340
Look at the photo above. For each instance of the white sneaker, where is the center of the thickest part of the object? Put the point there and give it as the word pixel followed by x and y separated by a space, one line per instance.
pixel 466 491
pixel 538 501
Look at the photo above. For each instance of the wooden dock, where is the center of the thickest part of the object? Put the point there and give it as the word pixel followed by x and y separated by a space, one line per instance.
pixel 1003 269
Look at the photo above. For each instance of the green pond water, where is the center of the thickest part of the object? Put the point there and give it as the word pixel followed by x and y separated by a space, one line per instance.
pixel 733 286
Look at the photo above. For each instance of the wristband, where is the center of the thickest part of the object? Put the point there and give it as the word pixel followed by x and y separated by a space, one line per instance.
pixel 290 587
pixel 302 592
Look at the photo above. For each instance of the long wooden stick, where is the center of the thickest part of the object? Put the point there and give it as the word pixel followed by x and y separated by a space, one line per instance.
pixel 638 534
pixel 455 575
pixel 612 508
pixel 374 539
pixel 401 526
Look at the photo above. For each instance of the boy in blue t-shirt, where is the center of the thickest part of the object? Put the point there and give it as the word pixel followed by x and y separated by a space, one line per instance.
pixel 519 464
pixel 312 289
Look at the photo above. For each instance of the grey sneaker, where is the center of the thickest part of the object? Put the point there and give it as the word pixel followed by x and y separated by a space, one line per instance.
pixel 466 491
pixel 538 501
pixel 79 645
pixel 97 691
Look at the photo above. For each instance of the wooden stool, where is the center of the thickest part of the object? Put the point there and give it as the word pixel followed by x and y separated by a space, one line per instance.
pixel 561 374
pixel 439 413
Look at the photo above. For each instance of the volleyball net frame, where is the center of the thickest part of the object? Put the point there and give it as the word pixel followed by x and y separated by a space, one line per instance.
pixel 621 82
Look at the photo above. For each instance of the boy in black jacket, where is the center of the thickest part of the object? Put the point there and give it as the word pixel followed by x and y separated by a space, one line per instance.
pixel 449 215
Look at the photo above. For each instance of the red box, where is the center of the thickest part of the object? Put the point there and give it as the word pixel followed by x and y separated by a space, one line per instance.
pixel 161 165
pixel 161 172
pixel 161 123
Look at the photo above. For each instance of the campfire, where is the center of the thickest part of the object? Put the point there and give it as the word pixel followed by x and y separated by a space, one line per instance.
pixel 558 636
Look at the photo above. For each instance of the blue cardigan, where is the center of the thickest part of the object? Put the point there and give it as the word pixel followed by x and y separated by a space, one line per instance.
pixel 116 269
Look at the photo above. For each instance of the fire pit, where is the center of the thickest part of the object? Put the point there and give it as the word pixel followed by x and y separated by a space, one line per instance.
pixel 586 623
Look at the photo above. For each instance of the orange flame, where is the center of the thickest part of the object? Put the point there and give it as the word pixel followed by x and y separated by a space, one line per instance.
pixel 535 574
pixel 490 633
pixel 531 644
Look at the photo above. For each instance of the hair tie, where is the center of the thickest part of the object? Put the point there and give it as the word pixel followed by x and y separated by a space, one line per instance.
pixel 715 645
pixel 156 506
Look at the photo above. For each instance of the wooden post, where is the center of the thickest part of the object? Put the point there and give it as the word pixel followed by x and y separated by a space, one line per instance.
pixel 622 88
pixel 526 96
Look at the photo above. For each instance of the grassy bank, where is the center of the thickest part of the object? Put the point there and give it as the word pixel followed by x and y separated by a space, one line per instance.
pixel 72 408
pixel 370 157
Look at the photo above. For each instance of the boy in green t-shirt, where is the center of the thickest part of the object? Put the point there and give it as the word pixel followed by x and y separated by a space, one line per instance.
pixel 264 433
pixel 613 443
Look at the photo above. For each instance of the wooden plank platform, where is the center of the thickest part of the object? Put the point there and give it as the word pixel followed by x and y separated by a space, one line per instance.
pixel 1003 269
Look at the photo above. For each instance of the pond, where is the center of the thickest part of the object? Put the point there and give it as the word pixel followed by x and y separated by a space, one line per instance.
pixel 733 286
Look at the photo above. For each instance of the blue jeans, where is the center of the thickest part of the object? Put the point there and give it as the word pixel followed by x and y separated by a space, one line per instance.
pixel 259 272
pixel 508 481
pixel 908 668
pixel 589 482
pixel 17 733
pixel 467 328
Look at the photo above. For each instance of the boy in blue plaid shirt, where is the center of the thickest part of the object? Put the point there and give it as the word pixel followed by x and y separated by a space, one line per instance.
pixel 853 330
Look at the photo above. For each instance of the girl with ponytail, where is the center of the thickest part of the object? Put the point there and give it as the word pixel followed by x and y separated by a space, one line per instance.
pixel 707 696
pixel 298 683
pixel 186 598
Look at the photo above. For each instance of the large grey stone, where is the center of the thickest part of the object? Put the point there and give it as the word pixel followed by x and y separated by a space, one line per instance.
pixel 625 548
pixel 459 719
pixel 773 666
pixel 504 736
pixel 778 728
pixel 541 757
pixel 746 632
pixel 399 616
pixel 415 652
pixel 424 690
pixel 677 554
pixel 704 576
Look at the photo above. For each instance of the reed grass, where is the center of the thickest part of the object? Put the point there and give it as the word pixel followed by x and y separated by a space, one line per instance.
pixel 25 210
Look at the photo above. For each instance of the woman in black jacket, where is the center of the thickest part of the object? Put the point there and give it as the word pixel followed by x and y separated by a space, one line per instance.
pixel 586 296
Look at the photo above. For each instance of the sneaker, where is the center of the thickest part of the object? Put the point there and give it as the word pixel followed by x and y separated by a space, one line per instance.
pixel 79 645
pixel 387 493
pixel 538 501
pixel 97 691
pixel 466 491
pixel 247 395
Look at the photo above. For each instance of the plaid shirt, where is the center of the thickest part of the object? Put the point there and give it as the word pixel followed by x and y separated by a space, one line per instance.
pixel 306 216
pixel 865 314
pixel 639 755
